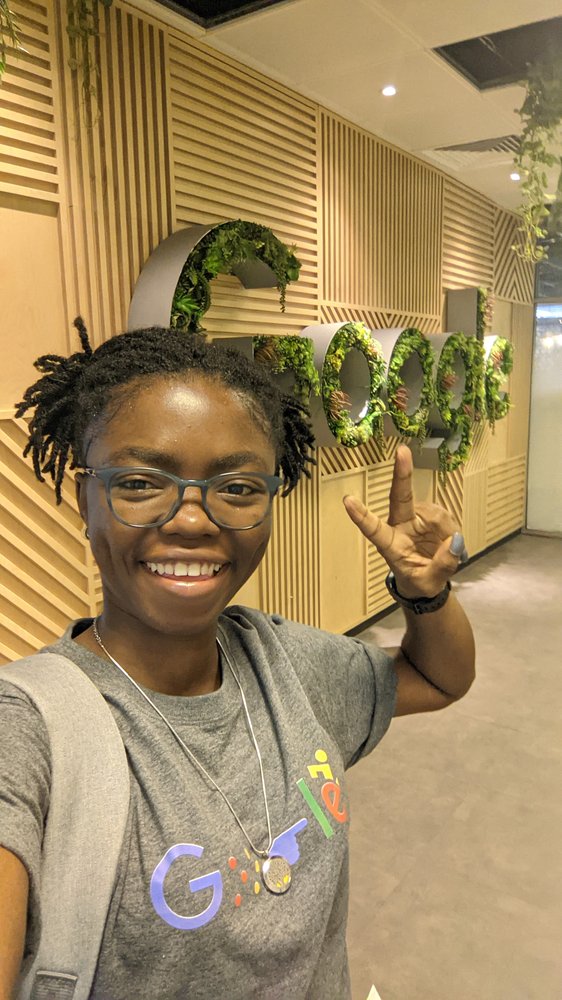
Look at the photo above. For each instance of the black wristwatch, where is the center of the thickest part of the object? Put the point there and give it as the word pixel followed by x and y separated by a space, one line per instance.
pixel 419 605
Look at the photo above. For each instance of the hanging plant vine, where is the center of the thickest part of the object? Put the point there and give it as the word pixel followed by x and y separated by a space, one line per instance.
pixel 83 29
pixel 225 246
pixel 498 367
pixel 539 151
pixel 484 311
pixel 9 35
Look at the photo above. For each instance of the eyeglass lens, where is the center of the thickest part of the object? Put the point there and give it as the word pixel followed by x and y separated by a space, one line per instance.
pixel 237 501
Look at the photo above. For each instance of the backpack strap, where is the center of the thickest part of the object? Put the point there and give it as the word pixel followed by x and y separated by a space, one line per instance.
pixel 85 825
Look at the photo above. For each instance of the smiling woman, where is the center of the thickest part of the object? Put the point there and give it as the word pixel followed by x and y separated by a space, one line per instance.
pixel 237 725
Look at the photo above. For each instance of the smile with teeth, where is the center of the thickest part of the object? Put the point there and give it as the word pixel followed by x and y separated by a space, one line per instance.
pixel 184 569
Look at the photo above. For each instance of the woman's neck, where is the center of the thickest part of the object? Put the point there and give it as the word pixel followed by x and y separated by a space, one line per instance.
pixel 174 665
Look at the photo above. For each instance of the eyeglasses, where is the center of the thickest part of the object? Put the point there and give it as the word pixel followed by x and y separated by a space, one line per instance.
pixel 147 498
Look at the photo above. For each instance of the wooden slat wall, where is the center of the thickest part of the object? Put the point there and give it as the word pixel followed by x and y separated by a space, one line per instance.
pixel 293 557
pixel 28 149
pixel 44 577
pixel 382 214
pixel 187 135
pixel 379 479
pixel 505 498
pixel 118 193
pixel 468 237
pixel 245 147
pixel 513 277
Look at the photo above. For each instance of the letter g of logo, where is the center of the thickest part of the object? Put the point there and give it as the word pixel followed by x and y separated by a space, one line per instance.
pixel 211 881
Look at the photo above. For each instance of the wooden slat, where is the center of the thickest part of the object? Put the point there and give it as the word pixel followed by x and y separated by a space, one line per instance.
pixel 117 171
pixel 506 496
pixel 27 130
pixel 379 479
pixel 513 277
pixel 468 237
pixel 292 560
pixel 382 224
pixel 44 577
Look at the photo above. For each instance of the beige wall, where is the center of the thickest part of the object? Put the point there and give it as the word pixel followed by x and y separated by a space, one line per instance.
pixel 188 136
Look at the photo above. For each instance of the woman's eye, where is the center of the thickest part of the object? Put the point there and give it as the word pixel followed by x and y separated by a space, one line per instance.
pixel 137 485
pixel 238 489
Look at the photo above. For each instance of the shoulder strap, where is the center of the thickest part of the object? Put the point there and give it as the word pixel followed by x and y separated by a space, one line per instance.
pixel 85 824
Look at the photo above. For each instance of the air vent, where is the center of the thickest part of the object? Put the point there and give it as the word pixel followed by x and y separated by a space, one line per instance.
pixel 503 57
pixel 481 153
pixel 210 13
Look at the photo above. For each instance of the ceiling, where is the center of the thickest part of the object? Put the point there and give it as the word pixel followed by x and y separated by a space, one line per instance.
pixel 341 53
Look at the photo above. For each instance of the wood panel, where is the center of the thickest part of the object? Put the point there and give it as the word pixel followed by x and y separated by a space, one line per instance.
pixel 514 278
pixel 479 455
pixel 245 147
pixel 450 494
pixel 44 577
pixel 118 198
pixel 382 213
pixel 474 524
pixel 379 480
pixel 32 317
pixel 520 380
pixel 29 158
pixel 378 319
pixel 505 498
pixel 342 555
pixel 290 574
pixel 468 237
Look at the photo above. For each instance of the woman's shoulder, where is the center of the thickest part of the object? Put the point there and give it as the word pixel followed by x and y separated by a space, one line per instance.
pixel 301 640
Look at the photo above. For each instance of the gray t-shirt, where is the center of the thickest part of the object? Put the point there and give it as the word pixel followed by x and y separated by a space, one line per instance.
pixel 190 917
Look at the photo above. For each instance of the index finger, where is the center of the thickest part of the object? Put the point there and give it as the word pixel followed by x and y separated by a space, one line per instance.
pixel 402 490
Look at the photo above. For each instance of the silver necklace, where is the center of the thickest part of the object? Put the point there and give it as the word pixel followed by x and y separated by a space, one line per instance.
pixel 276 870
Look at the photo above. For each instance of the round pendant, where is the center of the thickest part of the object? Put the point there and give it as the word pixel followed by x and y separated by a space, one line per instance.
pixel 276 875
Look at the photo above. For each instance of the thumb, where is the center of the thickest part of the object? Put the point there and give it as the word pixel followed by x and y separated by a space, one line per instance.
pixel 446 559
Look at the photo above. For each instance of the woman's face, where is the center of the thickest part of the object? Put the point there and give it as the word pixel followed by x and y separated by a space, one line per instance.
pixel 195 429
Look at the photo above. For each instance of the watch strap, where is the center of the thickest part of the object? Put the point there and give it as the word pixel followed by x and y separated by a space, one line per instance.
pixel 419 605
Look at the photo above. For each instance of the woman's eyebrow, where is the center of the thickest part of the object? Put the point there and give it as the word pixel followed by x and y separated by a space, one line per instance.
pixel 146 456
pixel 236 460
pixel 163 460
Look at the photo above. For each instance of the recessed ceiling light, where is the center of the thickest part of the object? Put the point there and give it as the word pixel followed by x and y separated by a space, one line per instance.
pixel 389 90
pixel 515 176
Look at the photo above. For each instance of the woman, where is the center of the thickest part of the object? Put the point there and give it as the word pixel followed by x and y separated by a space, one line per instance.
pixel 238 726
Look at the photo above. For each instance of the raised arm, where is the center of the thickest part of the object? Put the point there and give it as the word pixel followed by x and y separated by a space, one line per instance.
pixel 14 884
pixel 422 547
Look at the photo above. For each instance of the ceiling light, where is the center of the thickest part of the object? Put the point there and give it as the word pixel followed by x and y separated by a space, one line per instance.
pixel 389 90
pixel 515 176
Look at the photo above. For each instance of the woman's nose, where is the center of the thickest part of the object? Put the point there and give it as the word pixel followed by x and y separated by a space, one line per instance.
pixel 191 516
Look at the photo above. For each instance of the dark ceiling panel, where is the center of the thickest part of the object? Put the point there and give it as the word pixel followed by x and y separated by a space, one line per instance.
pixel 209 13
pixel 503 57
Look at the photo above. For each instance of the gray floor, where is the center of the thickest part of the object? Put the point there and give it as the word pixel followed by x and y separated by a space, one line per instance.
pixel 456 848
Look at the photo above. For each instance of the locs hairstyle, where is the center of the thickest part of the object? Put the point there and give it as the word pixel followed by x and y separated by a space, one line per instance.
pixel 78 393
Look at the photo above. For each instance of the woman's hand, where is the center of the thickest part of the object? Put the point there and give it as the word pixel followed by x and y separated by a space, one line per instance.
pixel 420 542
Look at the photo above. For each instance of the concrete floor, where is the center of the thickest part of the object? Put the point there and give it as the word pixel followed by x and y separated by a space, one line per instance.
pixel 456 847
